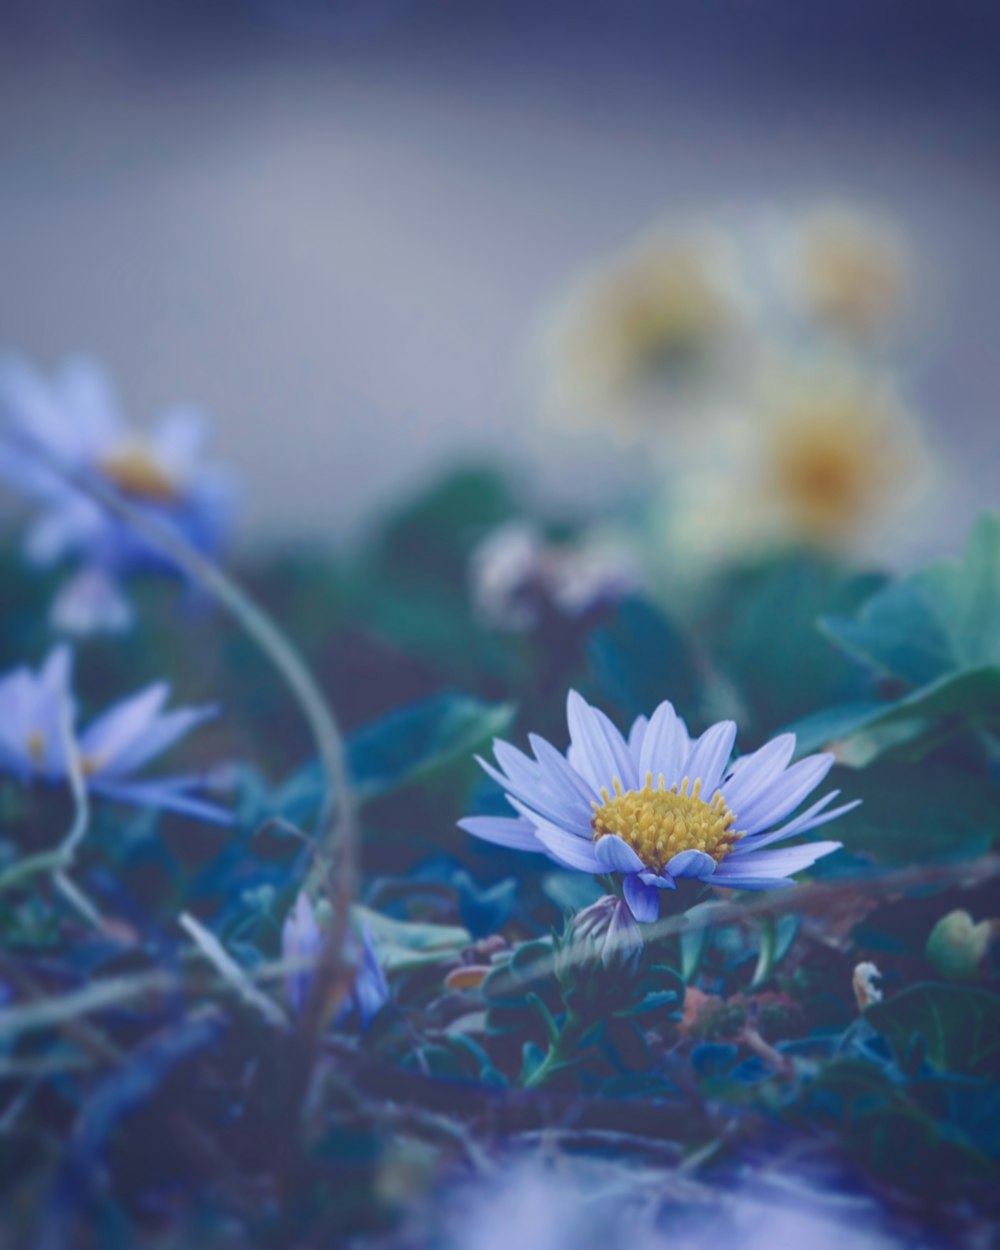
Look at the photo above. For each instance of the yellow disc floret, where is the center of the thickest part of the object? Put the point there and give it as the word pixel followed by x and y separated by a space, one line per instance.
pixel 658 823
pixel 135 472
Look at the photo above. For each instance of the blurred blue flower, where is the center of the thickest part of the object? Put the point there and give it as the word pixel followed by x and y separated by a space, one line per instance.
pixel 658 805
pixel 37 737
pixel 301 945
pixel 75 424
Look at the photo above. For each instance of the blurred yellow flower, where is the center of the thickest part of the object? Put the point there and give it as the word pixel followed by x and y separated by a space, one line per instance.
pixel 834 457
pixel 825 459
pixel 654 333
pixel 851 270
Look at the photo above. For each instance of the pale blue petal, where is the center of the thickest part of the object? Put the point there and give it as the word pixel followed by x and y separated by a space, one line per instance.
pixel 664 746
pixel 162 795
pixel 662 881
pixel 163 733
pixel 104 741
pixel 812 818
pixel 512 831
pixel 643 900
pixel 616 855
pixel 691 864
pixel 751 773
pixel 753 883
pixel 783 863
pixel 598 747
pixel 561 775
pixel 567 849
pixel 782 797
pixel 537 798
pixel 522 770
pixel 709 757
pixel 635 737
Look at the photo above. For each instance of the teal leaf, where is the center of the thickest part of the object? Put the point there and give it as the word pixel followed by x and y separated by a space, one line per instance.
pixel 642 658
pixel 412 741
pixel 965 700
pixel 911 814
pixel 942 619
pixel 405 945
pixel 957 1025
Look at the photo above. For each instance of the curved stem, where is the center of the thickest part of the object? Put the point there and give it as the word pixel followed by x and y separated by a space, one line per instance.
pixel 561 1052
pixel 337 815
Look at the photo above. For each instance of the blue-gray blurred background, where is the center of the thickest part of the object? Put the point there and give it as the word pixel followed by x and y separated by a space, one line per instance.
pixel 337 225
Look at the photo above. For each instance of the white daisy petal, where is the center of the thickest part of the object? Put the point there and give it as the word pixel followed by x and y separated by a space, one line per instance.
pixel 636 735
pixel 751 773
pixel 691 864
pixel 784 795
pixel 783 863
pixel 535 798
pixel 710 755
pixel 616 855
pixel 811 818
pixel 512 831
pixel 664 745
pixel 568 850
pixel 599 755
pixel 560 774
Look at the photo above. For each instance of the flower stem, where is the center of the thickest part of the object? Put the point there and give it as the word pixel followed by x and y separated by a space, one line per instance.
pixel 561 1053
pixel 337 816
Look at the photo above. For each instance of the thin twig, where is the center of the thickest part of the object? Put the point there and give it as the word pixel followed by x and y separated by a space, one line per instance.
pixel 231 972
pixel 337 815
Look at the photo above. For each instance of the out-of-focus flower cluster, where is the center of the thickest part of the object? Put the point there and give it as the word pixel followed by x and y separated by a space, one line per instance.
pixel 58 434
pixel 39 740
pixel 749 370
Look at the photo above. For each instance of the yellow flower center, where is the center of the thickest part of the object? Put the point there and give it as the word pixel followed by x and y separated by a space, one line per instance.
pixel 134 471
pixel 828 471
pixel 658 823
pixel 36 747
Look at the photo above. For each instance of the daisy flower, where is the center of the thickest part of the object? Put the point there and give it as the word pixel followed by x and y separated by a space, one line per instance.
pixel 654 332
pixel 658 805
pixel 301 946
pixel 516 576
pixel 851 270
pixel 37 737
pixel 75 422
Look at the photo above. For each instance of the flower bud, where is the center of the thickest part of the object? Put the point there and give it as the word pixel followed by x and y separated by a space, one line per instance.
pixel 598 956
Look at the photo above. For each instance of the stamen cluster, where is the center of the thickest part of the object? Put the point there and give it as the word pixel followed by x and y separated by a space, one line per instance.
pixel 658 823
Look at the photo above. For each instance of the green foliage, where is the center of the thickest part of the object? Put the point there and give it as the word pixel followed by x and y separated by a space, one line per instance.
pixel 133 1080
pixel 955 1028
pixel 938 634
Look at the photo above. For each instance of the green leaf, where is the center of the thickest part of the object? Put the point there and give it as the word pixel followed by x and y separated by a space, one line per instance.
pixel 435 532
pixel 693 938
pixel 770 648
pixel 958 1025
pixel 403 944
pixel 908 814
pixel 945 618
pixel 969 699
pixel 957 946
pixel 776 938
pixel 413 741
pixel 641 658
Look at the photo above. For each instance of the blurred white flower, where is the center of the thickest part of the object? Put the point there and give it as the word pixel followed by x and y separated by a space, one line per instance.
pixel 516 574
pixel 71 424
pixel 825 458
pixel 657 335
pixel 863 980
pixel 848 270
